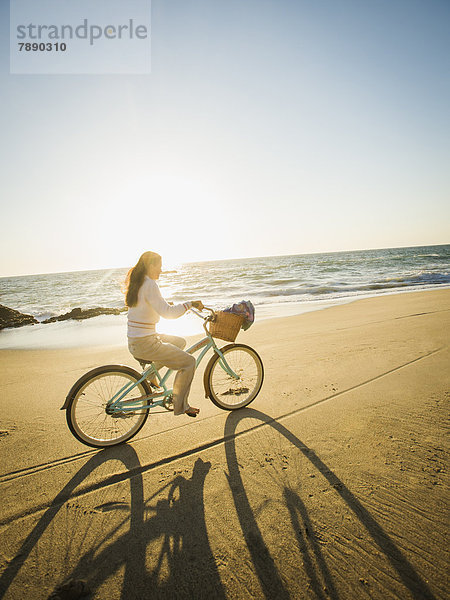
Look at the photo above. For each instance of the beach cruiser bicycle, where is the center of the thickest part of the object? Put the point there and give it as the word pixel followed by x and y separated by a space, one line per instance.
pixel 110 404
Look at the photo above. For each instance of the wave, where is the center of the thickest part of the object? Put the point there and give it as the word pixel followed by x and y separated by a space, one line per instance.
pixel 424 277
pixel 343 288
pixel 283 281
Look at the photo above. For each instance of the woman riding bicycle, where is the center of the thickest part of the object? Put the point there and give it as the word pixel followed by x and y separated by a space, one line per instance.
pixel 145 306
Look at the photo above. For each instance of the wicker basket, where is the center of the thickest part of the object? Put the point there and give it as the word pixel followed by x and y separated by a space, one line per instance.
pixel 226 326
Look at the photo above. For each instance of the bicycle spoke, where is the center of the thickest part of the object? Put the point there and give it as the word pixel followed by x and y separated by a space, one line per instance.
pixel 229 392
pixel 89 415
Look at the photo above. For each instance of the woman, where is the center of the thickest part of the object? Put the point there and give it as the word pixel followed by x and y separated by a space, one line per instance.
pixel 145 306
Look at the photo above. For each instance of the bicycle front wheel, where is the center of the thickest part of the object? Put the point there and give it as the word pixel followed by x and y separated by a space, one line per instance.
pixel 226 391
pixel 87 412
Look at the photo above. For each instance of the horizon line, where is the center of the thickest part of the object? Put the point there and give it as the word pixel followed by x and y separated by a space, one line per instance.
pixel 230 259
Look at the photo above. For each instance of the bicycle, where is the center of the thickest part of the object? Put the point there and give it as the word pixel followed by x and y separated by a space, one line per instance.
pixel 102 409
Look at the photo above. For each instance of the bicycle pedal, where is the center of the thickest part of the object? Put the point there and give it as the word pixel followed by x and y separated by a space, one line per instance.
pixel 156 388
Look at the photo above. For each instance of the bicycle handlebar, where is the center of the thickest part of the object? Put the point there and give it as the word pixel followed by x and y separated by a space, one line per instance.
pixel 205 318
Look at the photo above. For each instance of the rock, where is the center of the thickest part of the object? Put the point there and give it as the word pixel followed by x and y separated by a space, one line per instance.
pixel 79 314
pixel 13 318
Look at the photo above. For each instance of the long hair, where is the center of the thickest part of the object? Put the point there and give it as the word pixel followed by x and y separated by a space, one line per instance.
pixel 135 277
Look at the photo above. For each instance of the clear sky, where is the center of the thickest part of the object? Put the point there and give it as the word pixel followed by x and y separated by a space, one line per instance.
pixel 265 127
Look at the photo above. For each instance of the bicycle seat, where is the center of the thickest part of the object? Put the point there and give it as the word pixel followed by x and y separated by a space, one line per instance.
pixel 143 362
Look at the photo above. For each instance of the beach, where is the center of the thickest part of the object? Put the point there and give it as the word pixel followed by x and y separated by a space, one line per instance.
pixel 332 484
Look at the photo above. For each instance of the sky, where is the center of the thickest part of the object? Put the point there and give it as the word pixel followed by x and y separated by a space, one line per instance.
pixel 266 127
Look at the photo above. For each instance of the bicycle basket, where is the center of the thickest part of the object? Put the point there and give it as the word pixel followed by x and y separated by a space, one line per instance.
pixel 226 326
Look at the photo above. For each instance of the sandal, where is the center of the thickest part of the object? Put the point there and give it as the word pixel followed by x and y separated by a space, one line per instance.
pixel 192 412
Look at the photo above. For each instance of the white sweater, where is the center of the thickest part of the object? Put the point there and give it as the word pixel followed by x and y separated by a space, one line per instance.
pixel 143 317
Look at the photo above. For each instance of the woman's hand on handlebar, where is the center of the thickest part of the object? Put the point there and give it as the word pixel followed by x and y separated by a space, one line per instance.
pixel 198 304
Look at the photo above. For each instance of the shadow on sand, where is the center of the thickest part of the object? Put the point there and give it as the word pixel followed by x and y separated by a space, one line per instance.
pixel 265 568
pixel 177 520
pixel 185 565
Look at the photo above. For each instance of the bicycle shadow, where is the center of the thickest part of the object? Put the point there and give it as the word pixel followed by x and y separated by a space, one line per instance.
pixel 301 523
pixel 185 565
pixel 265 567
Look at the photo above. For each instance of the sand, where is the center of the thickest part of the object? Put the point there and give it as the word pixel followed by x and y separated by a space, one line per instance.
pixel 332 484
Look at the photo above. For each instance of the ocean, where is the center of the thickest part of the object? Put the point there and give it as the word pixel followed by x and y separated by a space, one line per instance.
pixel 277 286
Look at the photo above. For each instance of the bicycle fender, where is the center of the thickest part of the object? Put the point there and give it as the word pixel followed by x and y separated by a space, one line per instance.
pixel 76 386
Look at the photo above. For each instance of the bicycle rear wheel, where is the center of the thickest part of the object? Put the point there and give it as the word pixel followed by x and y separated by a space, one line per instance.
pixel 224 390
pixel 87 415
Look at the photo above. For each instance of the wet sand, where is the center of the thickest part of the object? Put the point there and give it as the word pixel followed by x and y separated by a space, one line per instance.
pixel 332 484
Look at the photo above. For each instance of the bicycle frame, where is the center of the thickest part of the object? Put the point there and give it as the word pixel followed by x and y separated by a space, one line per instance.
pixel 116 405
